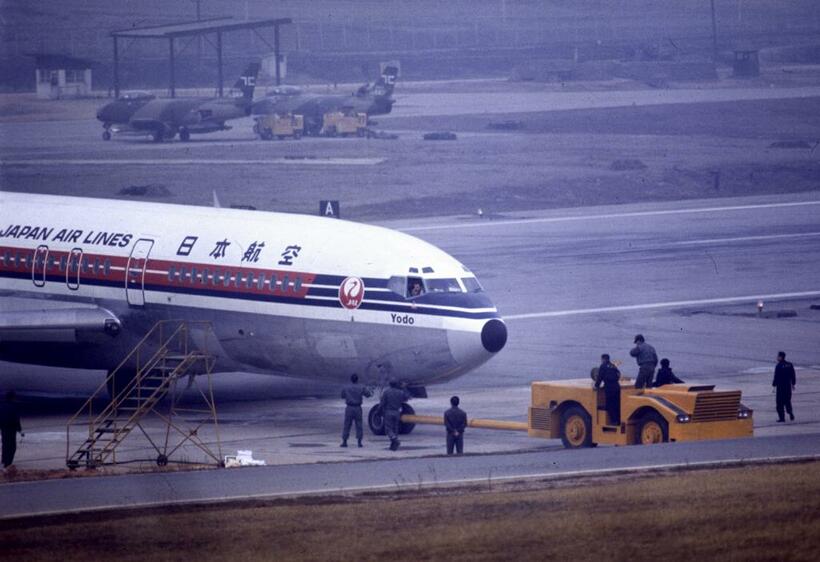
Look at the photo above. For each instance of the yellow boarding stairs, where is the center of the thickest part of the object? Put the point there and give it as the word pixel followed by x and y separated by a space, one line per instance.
pixel 172 351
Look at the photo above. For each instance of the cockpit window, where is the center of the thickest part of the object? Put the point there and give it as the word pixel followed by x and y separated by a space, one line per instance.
pixel 443 286
pixel 415 287
pixel 471 284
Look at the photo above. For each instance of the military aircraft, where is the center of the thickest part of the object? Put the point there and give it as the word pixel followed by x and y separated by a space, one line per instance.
pixel 293 295
pixel 375 99
pixel 144 114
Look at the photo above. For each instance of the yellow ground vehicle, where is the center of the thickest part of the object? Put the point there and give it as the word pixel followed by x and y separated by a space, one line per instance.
pixel 344 123
pixel 277 126
pixel 574 411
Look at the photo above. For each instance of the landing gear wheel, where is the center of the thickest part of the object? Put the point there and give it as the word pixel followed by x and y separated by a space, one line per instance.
pixel 184 135
pixel 162 460
pixel 405 428
pixel 297 135
pixel 375 419
pixel 576 428
pixel 267 134
pixel 157 135
pixel 652 429
pixel 106 135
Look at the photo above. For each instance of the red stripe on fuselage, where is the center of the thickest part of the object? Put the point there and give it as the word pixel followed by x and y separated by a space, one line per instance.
pixel 158 273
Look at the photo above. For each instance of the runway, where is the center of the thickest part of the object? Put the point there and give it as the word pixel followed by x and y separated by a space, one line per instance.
pixel 259 483
pixel 572 281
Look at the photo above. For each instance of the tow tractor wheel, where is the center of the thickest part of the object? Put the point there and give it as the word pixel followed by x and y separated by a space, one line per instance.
pixel 157 135
pixel 576 428
pixel 653 429
pixel 267 134
pixel 375 419
pixel 106 135
pixel 184 134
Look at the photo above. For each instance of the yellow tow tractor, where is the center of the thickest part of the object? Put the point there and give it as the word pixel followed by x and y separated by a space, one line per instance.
pixel 277 126
pixel 574 411
pixel 344 123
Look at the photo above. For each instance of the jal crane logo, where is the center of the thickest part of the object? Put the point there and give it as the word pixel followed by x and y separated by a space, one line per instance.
pixel 351 293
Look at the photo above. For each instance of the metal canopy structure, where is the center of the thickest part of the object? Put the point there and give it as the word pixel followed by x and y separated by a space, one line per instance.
pixel 173 31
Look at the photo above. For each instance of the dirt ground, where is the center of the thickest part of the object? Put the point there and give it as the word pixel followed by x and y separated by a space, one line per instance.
pixel 769 512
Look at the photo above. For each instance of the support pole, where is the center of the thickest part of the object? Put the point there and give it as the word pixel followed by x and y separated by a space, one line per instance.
pixel 171 60
pixel 714 33
pixel 276 54
pixel 219 61
pixel 116 68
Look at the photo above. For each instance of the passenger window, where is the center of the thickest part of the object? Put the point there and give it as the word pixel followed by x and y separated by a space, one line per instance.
pixel 260 284
pixel 106 266
pixel 172 271
pixel 249 282
pixel 443 286
pixel 285 283
pixel 52 263
pixel 272 285
pixel 226 282
pixel 64 263
pixel 204 279
pixel 297 285
pixel 85 264
pixel 183 274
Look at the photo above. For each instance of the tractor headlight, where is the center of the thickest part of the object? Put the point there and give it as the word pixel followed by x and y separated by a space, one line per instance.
pixel 743 414
pixel 683 418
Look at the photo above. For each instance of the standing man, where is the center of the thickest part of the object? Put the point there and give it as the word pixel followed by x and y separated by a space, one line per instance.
pixel 784 382
pixel 455 420
pixel 647 360
pixel 392 400
pixel 609 375
pixel 353 394
pixel 9 427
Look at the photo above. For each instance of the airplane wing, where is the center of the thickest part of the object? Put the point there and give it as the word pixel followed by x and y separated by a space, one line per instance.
pixel 44 324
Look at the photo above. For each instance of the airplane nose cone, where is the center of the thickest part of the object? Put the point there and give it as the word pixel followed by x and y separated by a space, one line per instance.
pixel 494 335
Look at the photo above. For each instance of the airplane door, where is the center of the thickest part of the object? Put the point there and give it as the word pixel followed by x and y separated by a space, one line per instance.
pixel 38 271
pixel 135 272
pixel 72 271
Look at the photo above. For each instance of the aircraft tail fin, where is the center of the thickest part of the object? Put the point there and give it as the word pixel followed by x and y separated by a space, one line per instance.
pixel 247 80
pixel 383 88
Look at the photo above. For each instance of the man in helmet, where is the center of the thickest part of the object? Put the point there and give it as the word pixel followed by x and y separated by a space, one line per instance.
pixel 353 394
pixel 391 402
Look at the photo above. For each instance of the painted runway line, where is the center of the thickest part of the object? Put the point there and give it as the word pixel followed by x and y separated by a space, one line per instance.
pixel 199 162
pixel 632 214
pixel 659 305
pixel 760 238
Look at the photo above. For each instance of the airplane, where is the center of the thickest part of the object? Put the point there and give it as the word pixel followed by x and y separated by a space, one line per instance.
pixel 292 295
pixel 144 114
pixel 373 99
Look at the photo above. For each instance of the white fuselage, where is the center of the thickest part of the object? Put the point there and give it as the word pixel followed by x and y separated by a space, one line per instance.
pixel 293 295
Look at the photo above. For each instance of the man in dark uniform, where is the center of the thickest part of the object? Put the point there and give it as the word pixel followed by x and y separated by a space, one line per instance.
pixel 784 381
pixel 455 420
pixel 391 403
pixel 647 360
pixel 353 394
pixel 665 374
pixel 609 375
pixel 9 427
